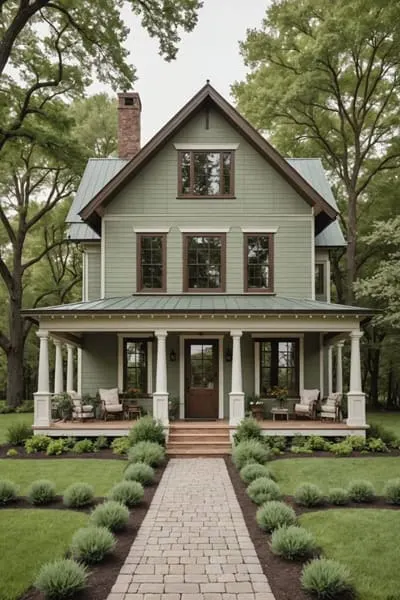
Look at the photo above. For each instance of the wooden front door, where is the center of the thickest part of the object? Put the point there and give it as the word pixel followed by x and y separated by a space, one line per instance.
pixel 201 379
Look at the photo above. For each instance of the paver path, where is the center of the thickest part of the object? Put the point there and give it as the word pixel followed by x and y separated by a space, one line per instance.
pixel 193 543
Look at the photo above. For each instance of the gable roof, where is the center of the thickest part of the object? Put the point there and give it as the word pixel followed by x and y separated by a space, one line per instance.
pixel 208 96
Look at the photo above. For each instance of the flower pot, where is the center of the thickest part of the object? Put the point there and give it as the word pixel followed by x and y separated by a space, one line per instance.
pixel 258 412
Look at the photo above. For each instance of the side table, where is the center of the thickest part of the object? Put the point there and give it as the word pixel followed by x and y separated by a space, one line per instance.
pixel 284 412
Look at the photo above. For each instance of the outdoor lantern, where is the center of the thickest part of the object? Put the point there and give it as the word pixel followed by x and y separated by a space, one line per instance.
pixel 228 355
pixel 172 356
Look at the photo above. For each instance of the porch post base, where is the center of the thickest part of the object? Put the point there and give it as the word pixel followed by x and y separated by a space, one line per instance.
pixel 42 415
pixel 160 407
pixel 356 409
pixel 236 407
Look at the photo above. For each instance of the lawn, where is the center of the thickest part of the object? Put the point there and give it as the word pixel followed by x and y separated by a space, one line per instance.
pixel 390 420
pixel 334 472
pixel 7 420
pixel 364 540
pixel 28 539
pixel 102 474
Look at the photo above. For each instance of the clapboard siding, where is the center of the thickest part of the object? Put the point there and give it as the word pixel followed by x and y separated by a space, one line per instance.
pixel 99 362
pixel 94 273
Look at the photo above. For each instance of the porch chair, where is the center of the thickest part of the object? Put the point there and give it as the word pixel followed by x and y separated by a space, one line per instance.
pixel 331 407
pixel 307 405
pixel 110 404
pixel 80 411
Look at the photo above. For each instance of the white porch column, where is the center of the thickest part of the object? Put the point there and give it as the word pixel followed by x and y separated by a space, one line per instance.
pixel 236 396
pixel 79 371
pixel 339 367
pixel 70 367
pixel 355 396
pixel 160 396
pixel 42 398
pixel 58 371
pixel 330 386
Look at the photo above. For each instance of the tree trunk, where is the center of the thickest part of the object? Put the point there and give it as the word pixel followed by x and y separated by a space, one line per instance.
pixel 15 355
pixel 351 246
pixel 374 370
pixel 15 376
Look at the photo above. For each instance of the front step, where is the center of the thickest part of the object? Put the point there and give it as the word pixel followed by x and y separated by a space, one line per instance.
pixel 190 439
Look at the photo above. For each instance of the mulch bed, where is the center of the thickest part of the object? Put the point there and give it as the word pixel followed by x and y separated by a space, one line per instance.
pixel 102 576
pixel 105 453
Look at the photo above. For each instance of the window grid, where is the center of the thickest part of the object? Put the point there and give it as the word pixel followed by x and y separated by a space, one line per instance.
pixel 135 365
pixel 319 279
pixel 206 174
pixel 279 365
pixel 151 262
pixel 259 262
pixel 204 263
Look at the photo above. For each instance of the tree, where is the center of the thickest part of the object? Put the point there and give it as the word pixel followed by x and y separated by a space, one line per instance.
pixel 324 80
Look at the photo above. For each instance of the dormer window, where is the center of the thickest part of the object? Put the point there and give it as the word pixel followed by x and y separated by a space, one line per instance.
pixel 205 174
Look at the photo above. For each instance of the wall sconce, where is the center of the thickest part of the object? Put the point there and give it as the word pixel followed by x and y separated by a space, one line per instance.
pixel 172 356
pixel 228 355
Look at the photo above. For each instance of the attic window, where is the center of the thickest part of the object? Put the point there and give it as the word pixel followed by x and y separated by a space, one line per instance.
pixel 206 173
pixel 128 101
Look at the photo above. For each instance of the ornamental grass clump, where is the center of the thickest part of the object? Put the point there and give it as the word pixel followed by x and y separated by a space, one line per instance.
pixel 18 433
pixel 263 490
pixel 146 429
pixel 112 515
pixel 42 492
pixel 129 493
pixel 91 544
pixel 274 514
pixel 361 491
pixel 139 472
pixel 293 543
pixel 309 494
pixel 61 579
pixel 326 579
pixel 8 491
pixel 150 453
pixel 338 496
pixel 248 429
pixel 78 495
pixel 253 471
pixel 249 451
pixel 391 491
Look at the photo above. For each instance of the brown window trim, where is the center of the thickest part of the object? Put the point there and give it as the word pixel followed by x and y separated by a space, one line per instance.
pixel 139 237
pixel 191 194
pixel 271 264
pixel 323 280
pixel 186 288
pixel 296 342
pixel 124 361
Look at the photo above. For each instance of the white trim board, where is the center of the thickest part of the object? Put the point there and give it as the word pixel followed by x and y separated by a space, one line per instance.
pixel 205 146
pixel 204 229
pixel 103 259
pixel 151 229
pixel 255 229
pixel 120 362
pixel 182 339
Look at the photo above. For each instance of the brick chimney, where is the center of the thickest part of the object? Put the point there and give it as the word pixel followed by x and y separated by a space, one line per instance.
pixel 129 109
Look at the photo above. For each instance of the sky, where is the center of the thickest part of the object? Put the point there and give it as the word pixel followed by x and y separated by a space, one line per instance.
pixel 211 51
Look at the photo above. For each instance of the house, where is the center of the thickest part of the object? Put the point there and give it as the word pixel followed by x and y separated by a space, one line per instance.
pixel 206 274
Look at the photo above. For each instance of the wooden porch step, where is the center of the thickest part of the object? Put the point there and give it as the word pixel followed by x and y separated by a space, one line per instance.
pixel 198 437
pixel 198 450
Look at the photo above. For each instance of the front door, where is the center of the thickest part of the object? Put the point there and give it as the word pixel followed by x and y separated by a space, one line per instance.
pixel 201 374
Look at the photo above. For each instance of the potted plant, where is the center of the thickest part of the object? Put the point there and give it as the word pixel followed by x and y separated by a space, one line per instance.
pixel 280 393
pixel 256 406
pixel 173 408
pixel 62 405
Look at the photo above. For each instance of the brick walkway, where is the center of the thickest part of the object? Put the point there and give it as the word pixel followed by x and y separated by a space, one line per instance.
pixel 193 543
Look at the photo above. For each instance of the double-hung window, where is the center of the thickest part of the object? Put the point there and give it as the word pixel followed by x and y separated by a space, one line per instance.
pixel 279 365
pixel 135 365
pixel 205 174
pixel 204 263
pixel 258 262
pixel 151 262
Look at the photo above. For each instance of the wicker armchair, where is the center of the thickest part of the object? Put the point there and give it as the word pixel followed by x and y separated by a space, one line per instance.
pixel 80 411
pixel 110 404
pixel 307 405
pixel 331 407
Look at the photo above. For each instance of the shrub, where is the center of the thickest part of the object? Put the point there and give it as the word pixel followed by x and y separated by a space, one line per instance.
pixel 326 579
pixel 61 579
pixel 361 491
pixel 8 491
pixel 127 492
pixel 112 515
pixel 380 432
pixel 69 443
pixel 377 445
pixel 316 442
pixel 338 496
pixel 12 452
pixel 253 471
pixel 263 490
pixel 249 451
pixel 17 433
pixel 120 445
pixel 26 407
pixel 275 441
pixel 342 449
pixel 100 443
pixel 147 429
pixel 391 491
pixel 357 442
pixel 309 494
pixel 78 494
pixel 83 446
pixel 37 443
pixel 150 453
pixel 91 544
pixel 300 450
pixel 56 447
pixel 139 472
pixel 272 515
pixel 6 410
pixel 41 492
pixel 293 543
pixel 248 429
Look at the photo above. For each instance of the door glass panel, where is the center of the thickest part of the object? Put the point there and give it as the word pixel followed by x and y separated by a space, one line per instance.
pixel 202 370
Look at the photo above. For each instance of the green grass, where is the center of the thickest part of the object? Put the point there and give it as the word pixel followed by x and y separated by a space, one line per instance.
pixel 389 420
pixel 7 420
pixel 364 540
pixel 102 474
pixel 334 472
pixel 28 539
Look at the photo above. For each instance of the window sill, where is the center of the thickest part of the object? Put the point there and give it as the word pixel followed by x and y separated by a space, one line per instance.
pixel 198 197
pixel 258 291
pixel 203 291
pixel 152 291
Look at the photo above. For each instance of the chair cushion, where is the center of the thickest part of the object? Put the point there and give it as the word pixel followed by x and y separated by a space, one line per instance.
pixel 303 408
pixel 87 408
pixel 109 397
pixel 74 395
pixel 328 414
pixel 113 408
pixel 309 396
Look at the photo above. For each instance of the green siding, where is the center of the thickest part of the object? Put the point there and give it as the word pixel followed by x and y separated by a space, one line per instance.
pixel 94 273
pixel 99 362
pixel 263 198
pixel 311 361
